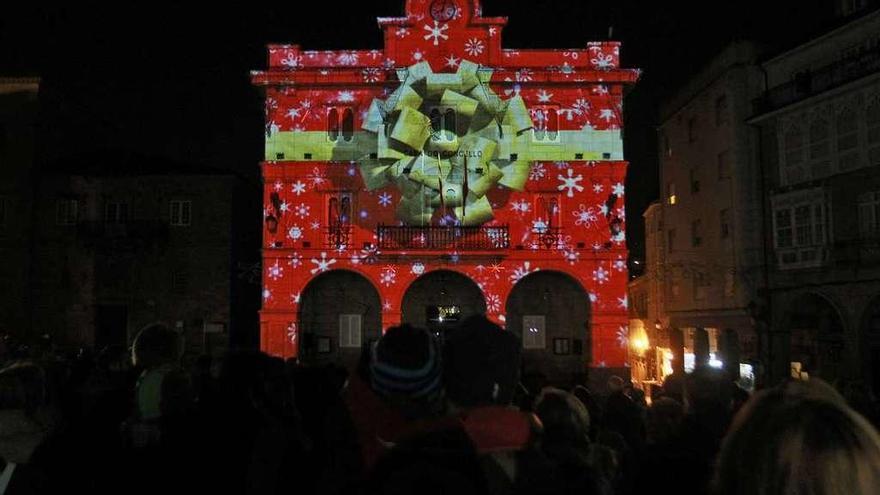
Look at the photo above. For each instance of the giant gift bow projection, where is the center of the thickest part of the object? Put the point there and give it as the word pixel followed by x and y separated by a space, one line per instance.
pixel 444 129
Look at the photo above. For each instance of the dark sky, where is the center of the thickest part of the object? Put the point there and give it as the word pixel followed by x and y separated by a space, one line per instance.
pixel 172 81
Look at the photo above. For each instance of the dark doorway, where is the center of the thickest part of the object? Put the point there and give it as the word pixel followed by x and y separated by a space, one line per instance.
pixel 111 326
pixel 816 341
pixel 439 300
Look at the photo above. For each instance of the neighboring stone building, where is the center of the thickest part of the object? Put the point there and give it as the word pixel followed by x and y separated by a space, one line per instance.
pixel 819 124
pixel 442 176
pixel 18 120
pixel 706 237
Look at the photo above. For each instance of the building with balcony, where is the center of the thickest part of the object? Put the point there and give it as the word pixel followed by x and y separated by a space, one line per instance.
pixel 819 143
pixel 443 176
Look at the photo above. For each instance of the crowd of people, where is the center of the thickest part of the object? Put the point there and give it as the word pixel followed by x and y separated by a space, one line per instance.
pixel 417 415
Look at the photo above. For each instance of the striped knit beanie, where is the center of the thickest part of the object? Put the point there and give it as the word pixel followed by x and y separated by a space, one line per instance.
pixel 406 362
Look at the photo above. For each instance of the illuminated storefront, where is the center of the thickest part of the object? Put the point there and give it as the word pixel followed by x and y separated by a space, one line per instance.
pixel 444 176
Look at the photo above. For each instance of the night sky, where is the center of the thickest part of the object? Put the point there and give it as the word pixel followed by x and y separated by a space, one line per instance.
pixel 172 82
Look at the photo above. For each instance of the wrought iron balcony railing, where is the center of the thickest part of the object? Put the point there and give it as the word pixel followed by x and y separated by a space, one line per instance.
pixel 337 236
pixel 548 237
pixel 435 237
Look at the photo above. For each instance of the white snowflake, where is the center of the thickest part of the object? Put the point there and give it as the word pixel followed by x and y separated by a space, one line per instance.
pixel 622 302
pixel 345 96
pixel 317 177
pixel 295 298
pixel 521 206
pixel 544 96
pixel 292 62
pixel 347 58
pixel 585 216
pixel 621 212
pixel 274 128
pixel 278 185
pixel 493 303
pixel 619 238
pixel 388 276
pixel 302 210
pixel 560 165
pixel 603 209
pixel 623 335
pixel 388 63
pixel 598 188
pixel 566 69
pixel 474 47
pixel 295 260
pixel 619 264
pixel 275 271
pixel 402 32
pixel 537 172
pixel 603 61
pixel 607 114
pixel 571 256
pixel 581 106
pixel 298 188
pixel 384 199
pixel 618 189
pixel 539 226
pixel 417 268
pixel 493 31
pixel 523 75
pixel 295 233
pixel 267 294
pixel 293 113
pixel 315 225
pixel 291 333
pixel 521 272
pixel 386 305
pixel 593 297
pixel 284 207
pixel 451 61
pixel 322 264
pixel 417 55
pixel 601 275
pixel 370 74
pixel 570 183
pixel 436 32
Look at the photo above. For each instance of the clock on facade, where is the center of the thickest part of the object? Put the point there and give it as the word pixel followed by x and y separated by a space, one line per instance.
pixel 443 10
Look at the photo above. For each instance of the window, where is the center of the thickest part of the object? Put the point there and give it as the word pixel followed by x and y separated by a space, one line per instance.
pixel 793 155
pixel 673 288
pixel 347 125
pixel 695 181
pixel 180 213
pixel 724 165
pixel 847 140
pixel 561 346
pixel 724 219
pixel 443 124
pixel 533 332
pixel 670 193
pixel 869 215
pixel 701 286
pixel 721 110
pixel 350 331
pixel 66 211
pixel 340 123
pixel 729 284
pixel 546 123
pixel 333 125
pixel 692 129
pixel 799 227
pixel 819 139
pixel 670 244
pixel 339 215
pixel 116 212
pixel 696 233
pixel 872 121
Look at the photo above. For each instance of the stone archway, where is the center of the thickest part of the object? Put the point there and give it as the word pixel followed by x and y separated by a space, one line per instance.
pixel 339 311
pixel 441 288
pixel 564 306
pixel 816 336
pixel 870 345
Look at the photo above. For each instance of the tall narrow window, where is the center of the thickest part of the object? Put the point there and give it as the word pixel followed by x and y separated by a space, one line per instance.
pixel 869 215
pixel 793 152
pixel 180 213
pixel 347 125
pixel 695 181
pixel 116 212
pixel 819 139
pixel 350 330
pixel 784 231
pixel 724 220
pixel 449 123
pixel 534 333
pixel 546 123
pixel 66 211
pixel 724 165
pixel 333 125
pixel 696 233
pixel 670 242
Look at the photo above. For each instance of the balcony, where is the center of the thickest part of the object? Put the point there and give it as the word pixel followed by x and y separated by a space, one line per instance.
pixel 810 83
pixel 440 238
pixel 338 236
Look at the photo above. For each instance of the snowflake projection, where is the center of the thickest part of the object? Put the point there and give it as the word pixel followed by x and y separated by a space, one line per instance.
pixel 275 271
pixel 402 32
pixel 437 32
pixel 293 113
pixel 597 247
pixel 544 96
pixel 295 260
pixel 539 226
pixel 493 31
pixel 291 332
pixel 417 55
pixel 600 89
pixel 601 275
pixel 493 303
pixel 585 216
pixel 521 272
pixel 363 214
pixel 566 69
pixel 598 188
pixel 352 171
pixel 523 75
pixel 619 264
pixel 322 264
pixel 621 212
pixel 388 277
pixel 594 298
pixel 451 61
pixel 603 209
pixel 417 268
pixel 295 232
pixel 387 305
pixel 606 114
pixel 622 335
pixel 474 47
pixel 570 183
pixel 388 63
pixel 619 238
pixel 302 210
pixel 618 189
pixel 278 185
pixel 622 302
pixel 347 58
pixel 537 172
pixel 369 254
pixel 315 225
pixel 345 97
pixel 284 207
pixel 572 256
pixel 370 74
pixel 384 199
pixel 295 298
pixel 603 61
pixel 496 269
pixel 316 176
pixel 581 106
pixel 521 206
pixel 561 165
pixel 267 294
pixel 292 62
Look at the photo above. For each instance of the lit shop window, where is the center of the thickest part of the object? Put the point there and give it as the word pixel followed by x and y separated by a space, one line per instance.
pixel 350 330
pixel 546 124
pixel 533 330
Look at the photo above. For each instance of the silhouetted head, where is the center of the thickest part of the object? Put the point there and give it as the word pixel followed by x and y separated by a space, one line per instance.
pixel 565 418
pixel 156 345
pixel 405 368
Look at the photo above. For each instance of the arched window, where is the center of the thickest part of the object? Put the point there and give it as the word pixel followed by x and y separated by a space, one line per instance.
pixel 436 121
pixel 333 125
pixel 347 125
pixel 449 123
pixel 552 124
pixel 847 131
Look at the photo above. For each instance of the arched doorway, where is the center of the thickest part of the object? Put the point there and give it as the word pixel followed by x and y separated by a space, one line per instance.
pixel 550 313
pixel 870 343
pixel 816 337
pixel 440 299
pixel 339 311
